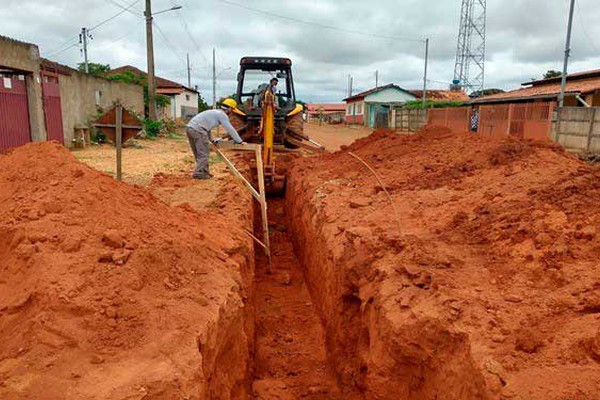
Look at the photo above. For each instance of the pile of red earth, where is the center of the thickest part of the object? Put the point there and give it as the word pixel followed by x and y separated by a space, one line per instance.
pixel 482 280
pixel 108 293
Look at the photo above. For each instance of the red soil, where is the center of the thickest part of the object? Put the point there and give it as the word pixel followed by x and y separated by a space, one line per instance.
pixel 291 360
pixel 490 288
pixel 106 292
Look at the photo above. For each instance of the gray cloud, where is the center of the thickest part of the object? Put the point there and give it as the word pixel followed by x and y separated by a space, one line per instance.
pixel 525 38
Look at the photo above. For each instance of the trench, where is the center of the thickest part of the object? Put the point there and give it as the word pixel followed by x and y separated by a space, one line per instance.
pixel 290 360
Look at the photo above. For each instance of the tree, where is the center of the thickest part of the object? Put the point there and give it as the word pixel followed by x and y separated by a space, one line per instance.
pixel 485 92
pixel 552 74
pixel 139 79
pixel 202 105
pixel 95 69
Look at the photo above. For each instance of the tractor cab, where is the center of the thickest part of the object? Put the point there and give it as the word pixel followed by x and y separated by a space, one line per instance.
pixel 254 79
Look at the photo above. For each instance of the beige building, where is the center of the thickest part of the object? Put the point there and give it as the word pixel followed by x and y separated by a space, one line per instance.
pixel 43 100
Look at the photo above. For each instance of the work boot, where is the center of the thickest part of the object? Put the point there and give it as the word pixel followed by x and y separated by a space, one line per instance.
pixel 205 176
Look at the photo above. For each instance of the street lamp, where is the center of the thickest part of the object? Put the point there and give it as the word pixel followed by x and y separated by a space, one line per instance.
pixel 150 57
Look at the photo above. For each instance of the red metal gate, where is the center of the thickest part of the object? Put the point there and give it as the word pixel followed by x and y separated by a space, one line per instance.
pixel 14 112
pixel 52 107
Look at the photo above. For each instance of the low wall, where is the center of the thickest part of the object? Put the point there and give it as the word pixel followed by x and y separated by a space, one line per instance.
pixel 406 120
pixel 577 129
pixel 82 95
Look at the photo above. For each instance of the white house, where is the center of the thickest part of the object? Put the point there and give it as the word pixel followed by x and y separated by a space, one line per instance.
pixel 184 100
pixel 369 107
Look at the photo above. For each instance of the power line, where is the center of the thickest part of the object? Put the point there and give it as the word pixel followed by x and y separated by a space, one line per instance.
pixel 73 42
pixel 585 32
pixel 319 25
pixel 189 33
pixel 166 40
pixel 125 8
pixel 114 16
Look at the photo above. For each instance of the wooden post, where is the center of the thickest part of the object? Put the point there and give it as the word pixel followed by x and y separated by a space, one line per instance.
pixel 591 130
pixel 119 137
pixel 263 205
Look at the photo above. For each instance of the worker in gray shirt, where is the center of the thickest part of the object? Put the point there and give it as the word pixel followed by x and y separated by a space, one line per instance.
pixel 198 133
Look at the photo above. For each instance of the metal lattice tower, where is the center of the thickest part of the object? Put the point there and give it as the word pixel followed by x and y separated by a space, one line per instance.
pixel 469 69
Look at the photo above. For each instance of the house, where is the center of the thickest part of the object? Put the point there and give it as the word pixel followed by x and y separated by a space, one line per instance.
pixel 43 100
pixel 583 88
pixel 371 107
pixel 330 113
pixel 183 100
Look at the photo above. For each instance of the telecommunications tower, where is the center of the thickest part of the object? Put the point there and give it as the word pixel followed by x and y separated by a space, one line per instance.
pixel 469 70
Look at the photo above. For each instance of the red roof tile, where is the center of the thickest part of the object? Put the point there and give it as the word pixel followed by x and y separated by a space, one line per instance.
pixel 160 82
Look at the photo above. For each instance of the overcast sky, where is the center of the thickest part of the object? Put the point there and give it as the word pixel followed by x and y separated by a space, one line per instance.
pixel 524 39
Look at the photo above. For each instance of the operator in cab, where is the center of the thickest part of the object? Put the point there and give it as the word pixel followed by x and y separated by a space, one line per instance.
pixel 198 134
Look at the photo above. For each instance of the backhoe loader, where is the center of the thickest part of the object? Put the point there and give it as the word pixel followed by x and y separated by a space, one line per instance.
pixel 268 115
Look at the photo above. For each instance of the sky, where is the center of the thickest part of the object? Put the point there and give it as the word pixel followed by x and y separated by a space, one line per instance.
pixel 327 40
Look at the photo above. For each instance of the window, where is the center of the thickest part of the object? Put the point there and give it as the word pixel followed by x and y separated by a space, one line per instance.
pixel 187 97
pixel 359 107
pixel 349 109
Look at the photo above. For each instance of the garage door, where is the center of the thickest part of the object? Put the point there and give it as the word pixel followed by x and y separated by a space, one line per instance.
pixel 14 112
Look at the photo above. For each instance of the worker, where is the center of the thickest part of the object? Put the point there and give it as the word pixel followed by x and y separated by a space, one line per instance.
pixel 273 85
pixel 198 133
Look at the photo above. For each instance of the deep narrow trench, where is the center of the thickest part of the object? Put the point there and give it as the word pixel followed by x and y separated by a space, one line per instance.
pixel 290 357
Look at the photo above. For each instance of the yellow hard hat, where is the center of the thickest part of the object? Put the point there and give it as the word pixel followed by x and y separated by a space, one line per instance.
pixel 229 102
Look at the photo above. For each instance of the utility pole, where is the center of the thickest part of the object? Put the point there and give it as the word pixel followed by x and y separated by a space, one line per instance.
pixel 563 84
pixel 188 71
pixel 150 57
pixel 214 82
pixel 83 37
pixel 351 82
pixel 425 74
pixel 376 78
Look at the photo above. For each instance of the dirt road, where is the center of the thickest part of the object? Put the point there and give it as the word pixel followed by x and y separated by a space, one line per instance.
pixel 335 136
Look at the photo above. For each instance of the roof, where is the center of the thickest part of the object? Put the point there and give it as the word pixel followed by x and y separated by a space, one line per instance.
pixel 366 93
pixel 161 83
pixel 578 83
pixel 594 73
pixel 551 90
pixel 53 66
pixel 441 95
pixel 327 108
pixel 169 90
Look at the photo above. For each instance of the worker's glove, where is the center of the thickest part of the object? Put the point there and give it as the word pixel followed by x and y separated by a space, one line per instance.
pixel 217 141
pixel 242 142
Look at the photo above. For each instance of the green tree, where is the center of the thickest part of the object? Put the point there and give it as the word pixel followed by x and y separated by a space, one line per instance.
pixel 552 74
pixel 94 68
pixel 138 79
pixel 202 104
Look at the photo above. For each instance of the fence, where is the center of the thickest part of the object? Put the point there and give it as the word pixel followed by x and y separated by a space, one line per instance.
pixel 457 119
pixel 578 129
pixel 407 120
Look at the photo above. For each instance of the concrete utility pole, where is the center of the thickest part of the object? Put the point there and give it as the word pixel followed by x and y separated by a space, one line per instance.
pixel 214 82
pixel 425 75
pixel 150 59
pixel 563 84
pixel 376 78
pixel 188 71
pixel 83 37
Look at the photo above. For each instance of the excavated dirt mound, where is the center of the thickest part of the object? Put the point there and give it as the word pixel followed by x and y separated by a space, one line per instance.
pixel 108 293
pixel 481 282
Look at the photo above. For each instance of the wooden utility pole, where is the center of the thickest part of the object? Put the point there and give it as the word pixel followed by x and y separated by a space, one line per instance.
pixel 188 71
pixel 150 57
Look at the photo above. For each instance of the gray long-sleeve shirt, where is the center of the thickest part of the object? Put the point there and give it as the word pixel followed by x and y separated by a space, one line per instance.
pixel 209 119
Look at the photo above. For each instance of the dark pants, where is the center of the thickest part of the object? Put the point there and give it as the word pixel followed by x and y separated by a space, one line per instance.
pixel 200 144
